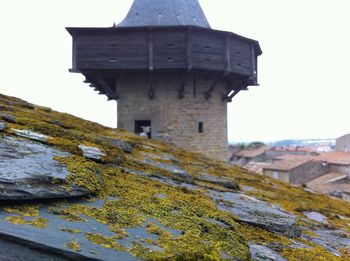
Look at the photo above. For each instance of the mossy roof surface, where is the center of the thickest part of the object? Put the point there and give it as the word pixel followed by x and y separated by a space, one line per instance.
pixel 143 199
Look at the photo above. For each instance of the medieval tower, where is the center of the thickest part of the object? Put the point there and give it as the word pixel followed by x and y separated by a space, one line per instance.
pixel 169 72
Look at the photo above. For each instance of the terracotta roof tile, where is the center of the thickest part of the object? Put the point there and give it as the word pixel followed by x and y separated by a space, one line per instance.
pixel 335 157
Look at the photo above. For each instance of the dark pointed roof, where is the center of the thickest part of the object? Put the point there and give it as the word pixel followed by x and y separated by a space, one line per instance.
pixel 165 13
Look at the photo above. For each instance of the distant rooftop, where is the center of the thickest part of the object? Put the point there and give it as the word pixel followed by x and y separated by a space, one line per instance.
pixel 336 157
pixel 329 182
pixel 294 149
pixel 252 152
pixel 294 157
pixel 165 13
pixel 287 165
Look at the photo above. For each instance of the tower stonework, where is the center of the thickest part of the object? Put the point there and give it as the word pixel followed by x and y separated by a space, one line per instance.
pixel 171 74
pixel 177 120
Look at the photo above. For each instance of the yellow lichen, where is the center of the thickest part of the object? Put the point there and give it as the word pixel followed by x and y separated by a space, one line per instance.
pixel 28 210
pixel 74 245
pixel 182 209
pixel 70 230
pixel 121 234
pixel 67 215
pixel 309 233
pixel 262 236
pixel 106 242
pixel 83 173
pixel 36 222
pixel 305 254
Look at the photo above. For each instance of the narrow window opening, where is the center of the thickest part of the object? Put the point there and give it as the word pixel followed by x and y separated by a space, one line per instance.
pixel 200 127
pixel 143 128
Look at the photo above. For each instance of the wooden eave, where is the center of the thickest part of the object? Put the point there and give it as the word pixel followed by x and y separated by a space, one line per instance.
pixel 76 31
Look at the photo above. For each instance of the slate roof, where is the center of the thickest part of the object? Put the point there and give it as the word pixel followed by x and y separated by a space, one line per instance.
pixel 106 194
pixel 165 13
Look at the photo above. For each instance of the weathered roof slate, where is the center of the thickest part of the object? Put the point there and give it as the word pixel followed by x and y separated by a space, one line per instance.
pixel 147 200
pixel 165 13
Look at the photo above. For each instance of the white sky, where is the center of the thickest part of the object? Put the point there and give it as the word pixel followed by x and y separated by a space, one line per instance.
pixel 303 71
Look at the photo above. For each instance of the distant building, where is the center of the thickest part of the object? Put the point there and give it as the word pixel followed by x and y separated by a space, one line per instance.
pixel 280 151
pixel 338 161
pixel 257 167
pixel 343 143
pixel 297 170
pixel 333 183
pixel 169 71
pixel 243 157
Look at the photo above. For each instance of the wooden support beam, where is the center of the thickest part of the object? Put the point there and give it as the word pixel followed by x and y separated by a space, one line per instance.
pixel 230 97
pixel 99 90
pixel 233 91
pixel 117 83
pixel 73 70
pixel 181 92
pixel 105 86
pixel 213 85
pixel 194 84
pixel 151 92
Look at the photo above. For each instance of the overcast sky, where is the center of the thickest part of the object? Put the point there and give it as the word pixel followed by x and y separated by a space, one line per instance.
pixel 304 89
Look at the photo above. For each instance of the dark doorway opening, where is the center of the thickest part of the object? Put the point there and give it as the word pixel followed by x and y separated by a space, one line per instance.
pixel 143 128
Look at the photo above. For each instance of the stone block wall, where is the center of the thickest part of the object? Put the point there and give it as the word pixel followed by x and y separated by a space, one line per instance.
pixel 343 143
pixel 344 169
pixel 277 174
pixel 176 120
pixel 307 172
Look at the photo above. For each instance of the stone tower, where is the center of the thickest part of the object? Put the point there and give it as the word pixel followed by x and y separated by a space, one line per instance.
pixel 171 74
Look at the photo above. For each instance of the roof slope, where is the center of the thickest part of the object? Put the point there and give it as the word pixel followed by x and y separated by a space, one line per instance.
pixel 329 182
pixel 335 157
pixel 252 152
pixel 289 163
pixel 141 199
pixel 165 13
